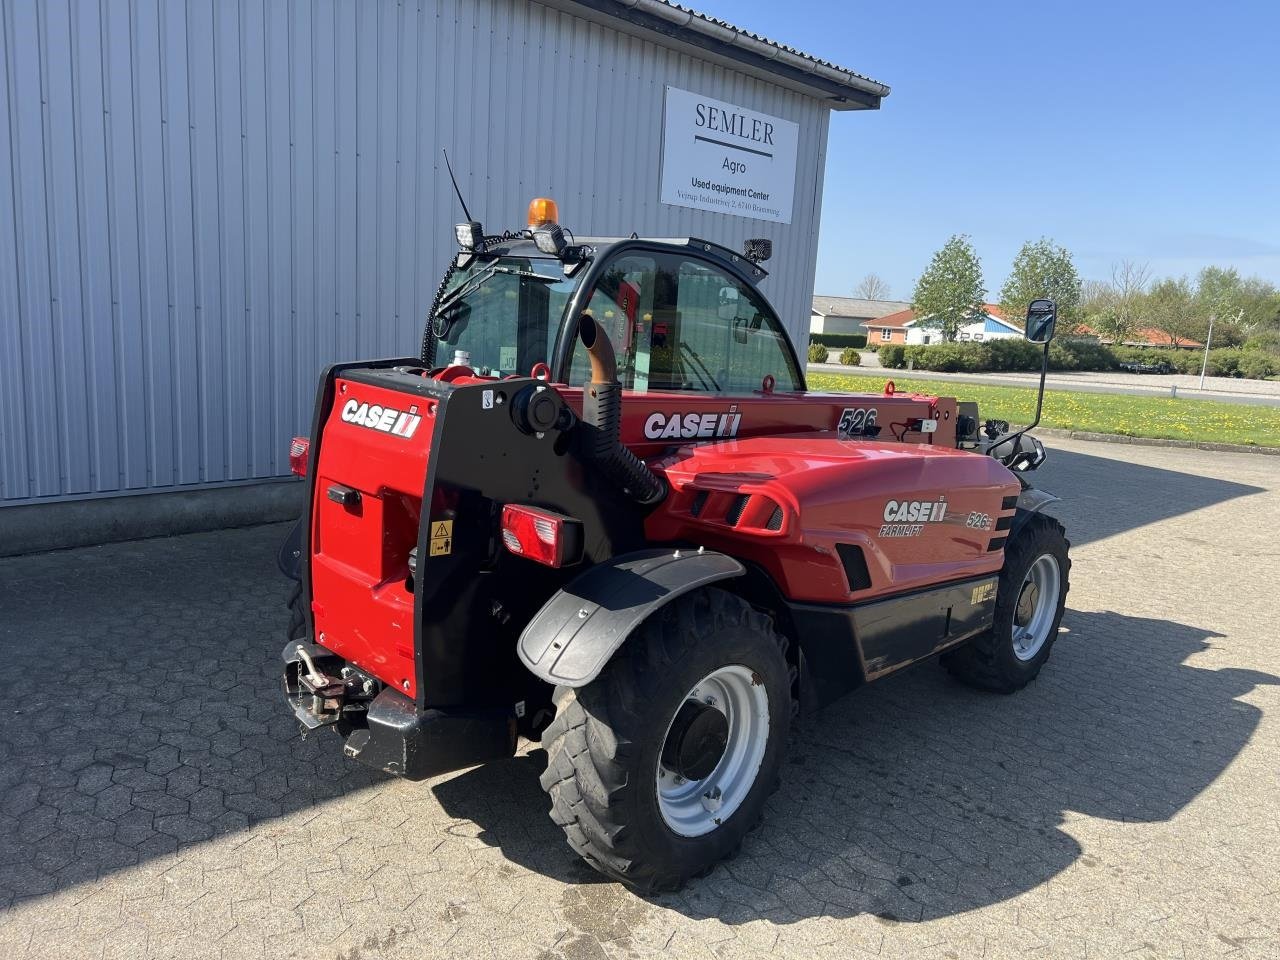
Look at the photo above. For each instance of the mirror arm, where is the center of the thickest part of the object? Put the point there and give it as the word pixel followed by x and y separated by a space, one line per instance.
pixel 1044 370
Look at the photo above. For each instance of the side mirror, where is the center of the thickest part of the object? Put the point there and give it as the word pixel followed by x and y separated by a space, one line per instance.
pixel 1042 318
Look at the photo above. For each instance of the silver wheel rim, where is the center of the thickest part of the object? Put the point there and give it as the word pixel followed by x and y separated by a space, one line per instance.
pixel 1036 607
pixel 692 808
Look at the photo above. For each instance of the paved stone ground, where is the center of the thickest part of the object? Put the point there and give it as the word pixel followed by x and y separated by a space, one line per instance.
pixel 155 800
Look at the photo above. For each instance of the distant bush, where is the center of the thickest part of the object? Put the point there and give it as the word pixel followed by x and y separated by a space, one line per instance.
pixel 850 357
pixel 1013 354
pixel 892 355
pixel 1257 365
pixel 949 357
pixel 1018 355
pixel 817 353
pixel 1079 355
pixel 839 339
pixel 1264 340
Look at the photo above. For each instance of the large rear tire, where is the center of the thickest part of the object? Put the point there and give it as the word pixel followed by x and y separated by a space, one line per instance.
pixel 659 767
pixel 1030 598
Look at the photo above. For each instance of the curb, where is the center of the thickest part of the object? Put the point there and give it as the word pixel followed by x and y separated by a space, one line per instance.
pixel 1155 442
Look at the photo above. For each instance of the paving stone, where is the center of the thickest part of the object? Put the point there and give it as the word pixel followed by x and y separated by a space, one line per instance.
pixel 156 801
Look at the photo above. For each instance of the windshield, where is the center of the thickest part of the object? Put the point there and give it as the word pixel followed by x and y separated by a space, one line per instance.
pixel 504 312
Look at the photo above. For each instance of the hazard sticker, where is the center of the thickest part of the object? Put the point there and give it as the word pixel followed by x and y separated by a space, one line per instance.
pixel 441 537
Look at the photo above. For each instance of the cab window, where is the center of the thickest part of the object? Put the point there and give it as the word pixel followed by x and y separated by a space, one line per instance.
pixel 680 323
pixel 728 338
pixel 622 303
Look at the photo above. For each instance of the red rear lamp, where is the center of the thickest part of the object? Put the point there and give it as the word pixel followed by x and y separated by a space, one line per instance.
pixel 541 535
pixel 299 448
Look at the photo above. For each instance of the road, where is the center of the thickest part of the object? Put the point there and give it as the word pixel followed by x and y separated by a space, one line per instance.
pixel 1262 393
pixel 156 800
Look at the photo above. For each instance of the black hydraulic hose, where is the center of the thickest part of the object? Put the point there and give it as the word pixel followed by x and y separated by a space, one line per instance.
pixel 602 421
pixel 429 338
pixel 428 353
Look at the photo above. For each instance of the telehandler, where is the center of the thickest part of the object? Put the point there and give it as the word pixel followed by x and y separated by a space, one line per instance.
pixel 601 508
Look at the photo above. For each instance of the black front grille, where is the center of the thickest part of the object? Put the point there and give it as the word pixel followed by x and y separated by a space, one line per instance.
pixel 775 520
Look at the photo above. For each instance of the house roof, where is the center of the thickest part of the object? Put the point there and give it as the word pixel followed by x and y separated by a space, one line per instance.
pixel 857 308
pixel 673 25
pixel 905 318
pixel 1145 337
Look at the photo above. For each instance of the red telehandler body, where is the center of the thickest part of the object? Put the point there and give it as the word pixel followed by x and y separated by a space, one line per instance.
pixel 600 508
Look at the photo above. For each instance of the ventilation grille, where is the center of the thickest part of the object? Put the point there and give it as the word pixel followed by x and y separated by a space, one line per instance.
pixel 855 566
pixel 775 520
pixel 735 510
pixel 699 501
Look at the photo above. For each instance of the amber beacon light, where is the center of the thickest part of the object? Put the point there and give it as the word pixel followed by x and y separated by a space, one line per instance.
pixel 542 210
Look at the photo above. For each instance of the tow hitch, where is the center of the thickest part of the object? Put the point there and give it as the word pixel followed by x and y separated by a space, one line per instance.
pixel 321 691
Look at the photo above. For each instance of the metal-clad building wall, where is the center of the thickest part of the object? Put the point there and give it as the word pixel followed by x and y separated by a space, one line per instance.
pixel 203 203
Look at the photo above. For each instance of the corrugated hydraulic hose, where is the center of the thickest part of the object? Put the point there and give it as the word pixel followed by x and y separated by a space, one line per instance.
pixel 602 419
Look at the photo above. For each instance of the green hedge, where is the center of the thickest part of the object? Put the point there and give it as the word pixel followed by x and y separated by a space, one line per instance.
pixel 850 357
pixel 856 340
pixel 892 355
pixel 1018 355
pixel 817 353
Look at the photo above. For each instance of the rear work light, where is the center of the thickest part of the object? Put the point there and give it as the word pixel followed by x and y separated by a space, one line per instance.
pixel 299 448
pixel 541 535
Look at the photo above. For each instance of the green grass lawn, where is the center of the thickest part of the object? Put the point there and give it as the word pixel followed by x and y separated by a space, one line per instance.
pixel 1134 416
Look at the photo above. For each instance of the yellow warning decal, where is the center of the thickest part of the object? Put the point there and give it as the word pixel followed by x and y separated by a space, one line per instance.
pixel 983 592
pixel 441 537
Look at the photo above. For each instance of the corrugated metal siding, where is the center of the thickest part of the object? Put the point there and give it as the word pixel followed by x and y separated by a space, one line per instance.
pixel 203 203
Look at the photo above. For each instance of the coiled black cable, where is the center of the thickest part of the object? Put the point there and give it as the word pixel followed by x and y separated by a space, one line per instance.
pixel 429 335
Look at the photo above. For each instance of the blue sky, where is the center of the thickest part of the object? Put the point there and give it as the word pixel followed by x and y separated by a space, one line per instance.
pixel 1140 130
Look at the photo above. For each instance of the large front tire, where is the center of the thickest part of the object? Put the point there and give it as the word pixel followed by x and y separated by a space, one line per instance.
pixel 1030 598
pixel 659 767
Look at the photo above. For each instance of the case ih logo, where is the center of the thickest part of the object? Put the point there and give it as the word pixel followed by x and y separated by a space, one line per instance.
pixel 399 423
pixel 690 426
pixel 906 518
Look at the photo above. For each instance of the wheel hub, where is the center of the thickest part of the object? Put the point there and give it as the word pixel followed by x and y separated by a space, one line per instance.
pixel 696 741
pixel 1027 601
pixel 712 750
pixel 1036 607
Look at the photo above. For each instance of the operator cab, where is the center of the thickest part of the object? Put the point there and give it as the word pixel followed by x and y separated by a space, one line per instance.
pixel 683 315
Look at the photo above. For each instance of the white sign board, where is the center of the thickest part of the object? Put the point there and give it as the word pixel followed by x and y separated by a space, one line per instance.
pixel 728 159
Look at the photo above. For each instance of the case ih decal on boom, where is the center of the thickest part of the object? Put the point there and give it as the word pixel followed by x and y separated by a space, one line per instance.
pixel 601 509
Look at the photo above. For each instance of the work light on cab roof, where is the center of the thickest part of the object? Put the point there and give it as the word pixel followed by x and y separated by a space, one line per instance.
pixel 543 223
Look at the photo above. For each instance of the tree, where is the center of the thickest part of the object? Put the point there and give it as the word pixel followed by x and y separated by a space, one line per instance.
pixel 1172 309
pixel 1129 280
pixel 1240 306
pixel 950 293
pixel 1043 269
pixel 872 287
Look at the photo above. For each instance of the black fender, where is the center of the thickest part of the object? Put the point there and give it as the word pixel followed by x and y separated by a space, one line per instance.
pixel 1030 502
pixel 579 629
pixel 289 557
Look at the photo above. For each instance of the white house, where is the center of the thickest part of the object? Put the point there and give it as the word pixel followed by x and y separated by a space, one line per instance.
pixel 993 326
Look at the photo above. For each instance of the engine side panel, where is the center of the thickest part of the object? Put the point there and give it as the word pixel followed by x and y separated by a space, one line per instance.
pixel 918 514
pixel 885 553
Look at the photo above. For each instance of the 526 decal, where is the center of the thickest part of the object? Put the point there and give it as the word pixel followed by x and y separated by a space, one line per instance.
pixel 856 419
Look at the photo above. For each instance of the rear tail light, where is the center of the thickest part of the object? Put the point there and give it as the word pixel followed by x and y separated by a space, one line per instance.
pixel 541 535
pixel 299 448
